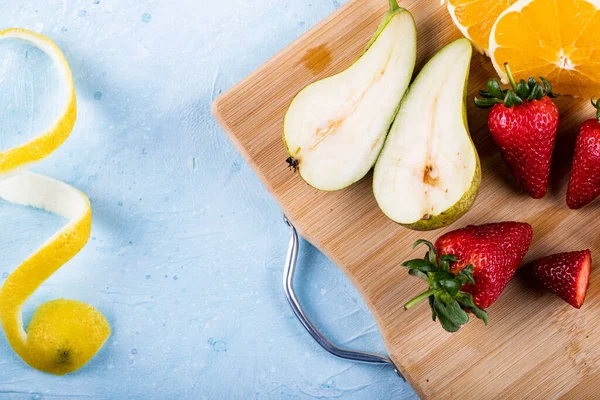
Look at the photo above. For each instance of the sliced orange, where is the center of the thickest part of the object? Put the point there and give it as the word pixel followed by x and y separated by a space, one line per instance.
pixel 556 39
pixel 475 18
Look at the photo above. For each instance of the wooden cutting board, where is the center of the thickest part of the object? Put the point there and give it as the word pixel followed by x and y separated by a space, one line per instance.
pixel 536 346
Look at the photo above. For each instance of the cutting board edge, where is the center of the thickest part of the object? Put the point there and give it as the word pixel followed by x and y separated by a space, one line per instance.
pixel 215 110
pixel 378 319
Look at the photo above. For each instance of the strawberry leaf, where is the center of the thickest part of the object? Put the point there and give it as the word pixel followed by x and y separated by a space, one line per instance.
pixel 486 103
pixel 454 312
pixel 466 300
pixel 417 273
pixel 547 86
pixel 522 89
pixel 433 314
pixel 447 323
pixel 466 275
pixel 597 107
pixel 440 275
pixel 449 312
pixel 537 93
pixel 512 99
pixel 494 89
pixel 480 313
pixel 452 286
pixel 431 255
pixel 485 94
pixel 420 264
pixel 445 261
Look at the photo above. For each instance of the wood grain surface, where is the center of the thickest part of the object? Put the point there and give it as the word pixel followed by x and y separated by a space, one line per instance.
pixel 536 346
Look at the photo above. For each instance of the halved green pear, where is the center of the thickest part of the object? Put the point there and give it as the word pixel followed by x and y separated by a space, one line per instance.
pixel 428 173
pixel 335 128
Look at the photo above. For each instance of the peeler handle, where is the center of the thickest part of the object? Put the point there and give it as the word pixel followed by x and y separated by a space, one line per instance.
pixel 288 288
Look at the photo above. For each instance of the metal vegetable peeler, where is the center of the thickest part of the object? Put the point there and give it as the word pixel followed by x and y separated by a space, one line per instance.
pixel 288 288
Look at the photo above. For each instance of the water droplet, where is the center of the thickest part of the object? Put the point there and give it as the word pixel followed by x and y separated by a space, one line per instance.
pixel 96 1
pixel 134 351
pixel 82 13
pixel 120 204
pixel 98 95
pixel 148 277
pixel 146 18
pixel 36 396
pixel 5 275
pixel 175 277
pixel 218 345
pixel 191 163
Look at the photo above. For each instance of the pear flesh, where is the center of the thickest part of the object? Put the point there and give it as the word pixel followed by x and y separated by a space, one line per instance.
pixel 428 173
pixel 335 128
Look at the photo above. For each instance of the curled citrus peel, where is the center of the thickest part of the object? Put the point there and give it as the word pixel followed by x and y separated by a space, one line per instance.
pixel 63 335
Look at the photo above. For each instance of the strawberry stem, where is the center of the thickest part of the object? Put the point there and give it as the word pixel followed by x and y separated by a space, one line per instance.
pixel 419 298
pixel 511 79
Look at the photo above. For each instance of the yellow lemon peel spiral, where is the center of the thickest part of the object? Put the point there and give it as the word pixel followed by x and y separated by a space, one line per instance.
pixel 63 335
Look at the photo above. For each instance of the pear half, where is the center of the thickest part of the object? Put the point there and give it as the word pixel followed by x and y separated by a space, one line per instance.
pixel 428 174
pixel 335 128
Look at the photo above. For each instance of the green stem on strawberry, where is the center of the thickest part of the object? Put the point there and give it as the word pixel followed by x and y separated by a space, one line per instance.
pixel 419 298
pixel 520 92
pixel 511 78
pixel 447 300
pixel 597 107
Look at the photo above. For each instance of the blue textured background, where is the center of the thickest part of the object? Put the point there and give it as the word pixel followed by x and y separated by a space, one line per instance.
pixel 187 248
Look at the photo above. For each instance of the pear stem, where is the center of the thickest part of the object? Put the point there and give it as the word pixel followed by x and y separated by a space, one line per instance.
pixel 420 297
pixel 393 5
pixel 511 78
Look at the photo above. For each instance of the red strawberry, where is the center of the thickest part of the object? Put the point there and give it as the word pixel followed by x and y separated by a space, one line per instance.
pixel 584 184
pixel 566 274
pixel 494 250
pixel 523 123
pixel 469 269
